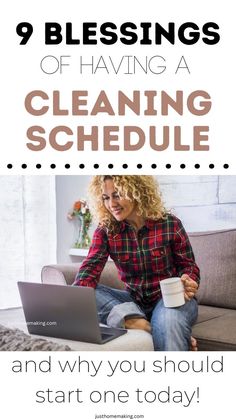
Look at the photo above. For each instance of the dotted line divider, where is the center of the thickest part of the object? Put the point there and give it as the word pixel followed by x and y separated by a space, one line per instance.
pixel 124 166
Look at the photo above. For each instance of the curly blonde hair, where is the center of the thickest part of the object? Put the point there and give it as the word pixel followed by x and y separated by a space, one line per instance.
pixel 142 190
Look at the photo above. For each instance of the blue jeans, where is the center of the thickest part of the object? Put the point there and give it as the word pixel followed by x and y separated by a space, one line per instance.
pixel 171 327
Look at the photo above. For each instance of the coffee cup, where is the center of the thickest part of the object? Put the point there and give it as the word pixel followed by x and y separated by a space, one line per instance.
pixel 172 290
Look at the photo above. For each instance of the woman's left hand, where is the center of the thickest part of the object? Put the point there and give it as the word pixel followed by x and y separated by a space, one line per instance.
pixel 190 287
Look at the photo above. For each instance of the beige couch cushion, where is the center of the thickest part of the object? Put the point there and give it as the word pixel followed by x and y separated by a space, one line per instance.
pixel 215 254
pixel 217 334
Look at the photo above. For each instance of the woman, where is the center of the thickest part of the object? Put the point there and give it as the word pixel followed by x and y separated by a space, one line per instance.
pixel 147 244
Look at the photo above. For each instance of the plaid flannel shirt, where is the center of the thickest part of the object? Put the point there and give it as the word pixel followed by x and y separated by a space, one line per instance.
pixel 159 250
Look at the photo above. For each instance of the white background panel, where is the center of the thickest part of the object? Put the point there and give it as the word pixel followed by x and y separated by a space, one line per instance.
pixel 211 69
pixel 203 393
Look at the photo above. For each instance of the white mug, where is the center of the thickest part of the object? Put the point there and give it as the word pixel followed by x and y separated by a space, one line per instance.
pixel 172 290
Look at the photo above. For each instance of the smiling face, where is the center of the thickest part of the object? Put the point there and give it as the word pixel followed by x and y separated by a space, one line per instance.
pixel 121 209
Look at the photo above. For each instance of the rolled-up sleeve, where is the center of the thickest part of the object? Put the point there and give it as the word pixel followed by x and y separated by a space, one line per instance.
pixel 91 268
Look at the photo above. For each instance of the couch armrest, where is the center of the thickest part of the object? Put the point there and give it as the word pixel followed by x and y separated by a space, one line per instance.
pixel 59 274
pixel 65 275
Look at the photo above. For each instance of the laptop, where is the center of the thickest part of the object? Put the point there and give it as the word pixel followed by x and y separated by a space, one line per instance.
pixel 64 311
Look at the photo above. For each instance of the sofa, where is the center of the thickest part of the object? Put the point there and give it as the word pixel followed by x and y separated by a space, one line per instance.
pixel 215 329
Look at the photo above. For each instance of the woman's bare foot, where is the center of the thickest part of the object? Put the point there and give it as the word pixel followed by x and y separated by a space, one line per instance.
pixel 138 323
pixel 193 346
pixel 143 324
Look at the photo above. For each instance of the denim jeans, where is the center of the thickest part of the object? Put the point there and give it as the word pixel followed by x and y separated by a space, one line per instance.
pixel 171 328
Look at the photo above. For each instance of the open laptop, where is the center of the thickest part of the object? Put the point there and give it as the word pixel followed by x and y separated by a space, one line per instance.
pixel 64 312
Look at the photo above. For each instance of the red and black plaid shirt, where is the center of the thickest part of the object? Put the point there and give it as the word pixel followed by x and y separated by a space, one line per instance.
pixel 159 250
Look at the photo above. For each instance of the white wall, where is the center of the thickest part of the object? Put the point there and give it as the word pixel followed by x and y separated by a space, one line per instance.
pixel 202 202
pixel 68 190
pixel 27 232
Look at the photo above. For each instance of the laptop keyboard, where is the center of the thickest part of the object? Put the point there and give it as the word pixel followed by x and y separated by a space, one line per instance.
pixel 107 331
pixel 111 332
pixel 106 335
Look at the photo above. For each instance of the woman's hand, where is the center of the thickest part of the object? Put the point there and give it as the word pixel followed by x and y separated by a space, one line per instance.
pixel 190 287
